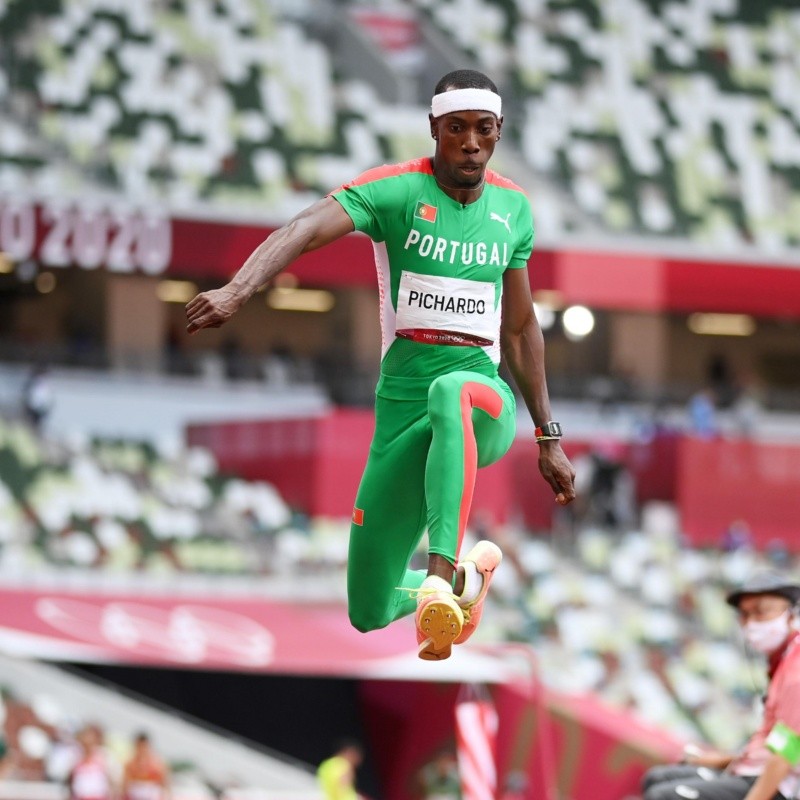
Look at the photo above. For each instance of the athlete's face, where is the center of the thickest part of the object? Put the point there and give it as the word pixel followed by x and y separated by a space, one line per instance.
pixel 465 141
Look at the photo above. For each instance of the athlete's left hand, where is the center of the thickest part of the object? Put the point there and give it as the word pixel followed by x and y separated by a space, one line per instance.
pixel 557 470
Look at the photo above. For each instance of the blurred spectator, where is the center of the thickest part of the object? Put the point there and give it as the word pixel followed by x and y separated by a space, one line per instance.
pixel 337 774
pixel 703 413
pixel 178 360
pixel 279 367
pixel 92 778
pixel 6 762
pixel 777 554
pixel 439 778
pixel 516 786
pixel 37 396
pixel 768 767
pixel 737 536
pixel 145 776
pixel 606 487
pixel 748 407
pixel 27 739
pixel 64 753
pixel 234 359
pixel 720 380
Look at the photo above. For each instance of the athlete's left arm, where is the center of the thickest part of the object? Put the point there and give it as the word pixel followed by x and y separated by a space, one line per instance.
pixel 522 344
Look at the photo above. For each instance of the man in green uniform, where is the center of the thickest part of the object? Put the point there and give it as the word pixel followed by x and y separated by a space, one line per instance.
pixel 452 241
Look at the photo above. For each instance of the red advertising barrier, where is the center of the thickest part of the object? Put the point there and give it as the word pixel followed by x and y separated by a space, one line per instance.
pixel 532 498
pixel 316 462
pixel 721 482
pixel 654 464
pixel 197 631
pixel 394 30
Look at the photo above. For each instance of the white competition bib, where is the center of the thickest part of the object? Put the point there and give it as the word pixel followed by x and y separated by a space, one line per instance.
pixel 440 310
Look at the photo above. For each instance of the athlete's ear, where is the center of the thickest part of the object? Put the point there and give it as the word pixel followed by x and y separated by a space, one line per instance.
pixel 499 126
pixel 432 121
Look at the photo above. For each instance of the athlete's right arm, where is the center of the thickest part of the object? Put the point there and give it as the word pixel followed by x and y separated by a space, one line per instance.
pixel 318 225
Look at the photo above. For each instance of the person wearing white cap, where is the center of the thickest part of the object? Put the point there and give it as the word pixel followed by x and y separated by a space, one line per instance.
pixel 452 241
pixel 768 767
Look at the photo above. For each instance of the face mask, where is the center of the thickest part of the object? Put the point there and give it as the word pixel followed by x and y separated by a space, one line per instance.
pixel 767 636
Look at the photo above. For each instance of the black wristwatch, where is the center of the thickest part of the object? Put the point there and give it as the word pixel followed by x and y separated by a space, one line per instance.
pixel 550 430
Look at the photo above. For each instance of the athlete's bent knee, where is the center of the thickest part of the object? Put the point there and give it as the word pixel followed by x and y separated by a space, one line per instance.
pixel 445 387
pixel 367 621
pixel 444 395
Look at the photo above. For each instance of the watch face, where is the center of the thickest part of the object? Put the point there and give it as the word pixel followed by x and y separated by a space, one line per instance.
pixel 552 429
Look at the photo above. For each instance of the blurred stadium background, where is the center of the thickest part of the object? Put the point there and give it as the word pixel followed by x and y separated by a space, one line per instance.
pixel 173 511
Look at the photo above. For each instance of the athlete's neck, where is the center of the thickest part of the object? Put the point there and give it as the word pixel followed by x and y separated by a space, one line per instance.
pixel 461 194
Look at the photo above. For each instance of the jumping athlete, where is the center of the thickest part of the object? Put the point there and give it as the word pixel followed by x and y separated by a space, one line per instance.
pixel 452 241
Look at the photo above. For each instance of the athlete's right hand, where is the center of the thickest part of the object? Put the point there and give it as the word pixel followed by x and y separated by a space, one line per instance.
pixel 557 470
pixel 212 309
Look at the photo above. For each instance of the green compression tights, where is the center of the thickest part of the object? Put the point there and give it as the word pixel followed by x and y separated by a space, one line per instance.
pixel 421 473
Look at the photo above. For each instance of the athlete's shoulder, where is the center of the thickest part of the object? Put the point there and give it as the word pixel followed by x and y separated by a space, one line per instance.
pixel 418 166
pixel 501 182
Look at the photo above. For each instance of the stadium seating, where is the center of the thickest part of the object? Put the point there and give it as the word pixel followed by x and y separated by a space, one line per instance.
pixel 670 119
pixel 126 506
pixel 186 104
pixel 673 120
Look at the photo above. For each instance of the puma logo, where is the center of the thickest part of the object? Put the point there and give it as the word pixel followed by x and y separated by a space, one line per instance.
pixel 504 220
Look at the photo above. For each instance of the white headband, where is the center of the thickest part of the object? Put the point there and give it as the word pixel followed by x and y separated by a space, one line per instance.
pixel 466 100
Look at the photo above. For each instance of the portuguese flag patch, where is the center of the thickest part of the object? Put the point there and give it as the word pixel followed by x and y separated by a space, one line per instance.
pixel 426 212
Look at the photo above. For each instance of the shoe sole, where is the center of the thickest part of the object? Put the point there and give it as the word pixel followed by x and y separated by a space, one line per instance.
pixel 441 624
pixel 427 653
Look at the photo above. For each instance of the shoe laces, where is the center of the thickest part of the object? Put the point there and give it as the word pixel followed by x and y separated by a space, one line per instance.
pixel 427 591
pixel 421 591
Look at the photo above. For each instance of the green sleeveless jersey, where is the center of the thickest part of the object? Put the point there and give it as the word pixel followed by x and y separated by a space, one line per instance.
pixel 440 269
